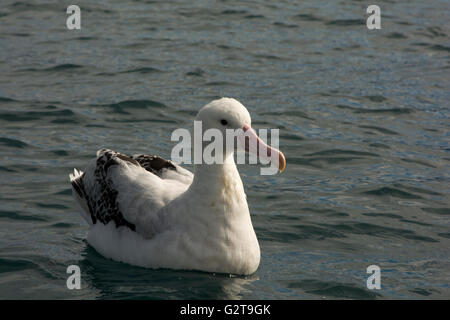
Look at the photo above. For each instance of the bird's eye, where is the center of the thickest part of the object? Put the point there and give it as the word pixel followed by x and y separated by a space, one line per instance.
pixel 224 122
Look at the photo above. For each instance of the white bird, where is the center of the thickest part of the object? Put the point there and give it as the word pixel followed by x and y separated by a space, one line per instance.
pixel 150 212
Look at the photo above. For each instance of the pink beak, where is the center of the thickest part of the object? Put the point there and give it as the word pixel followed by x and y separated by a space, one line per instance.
pixel 255 146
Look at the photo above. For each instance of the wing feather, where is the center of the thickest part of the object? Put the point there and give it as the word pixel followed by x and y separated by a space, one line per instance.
pixel 127 190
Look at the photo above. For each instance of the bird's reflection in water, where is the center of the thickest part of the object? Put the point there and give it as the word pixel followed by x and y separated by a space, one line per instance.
pixel 115 280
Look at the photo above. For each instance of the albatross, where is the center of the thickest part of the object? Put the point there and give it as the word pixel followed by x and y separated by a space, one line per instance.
pixel 150 212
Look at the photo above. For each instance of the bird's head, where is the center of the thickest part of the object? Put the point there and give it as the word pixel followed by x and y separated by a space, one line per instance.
pixel 228 113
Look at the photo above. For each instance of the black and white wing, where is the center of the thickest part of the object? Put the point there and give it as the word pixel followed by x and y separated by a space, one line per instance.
pixel 124 189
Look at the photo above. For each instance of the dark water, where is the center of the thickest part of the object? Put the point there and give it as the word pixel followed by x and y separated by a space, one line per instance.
pixel 363 118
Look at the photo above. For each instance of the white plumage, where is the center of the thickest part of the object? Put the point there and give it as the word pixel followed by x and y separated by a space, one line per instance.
pixel 149 212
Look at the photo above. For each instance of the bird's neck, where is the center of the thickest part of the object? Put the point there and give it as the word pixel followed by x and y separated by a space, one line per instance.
pixel 219 185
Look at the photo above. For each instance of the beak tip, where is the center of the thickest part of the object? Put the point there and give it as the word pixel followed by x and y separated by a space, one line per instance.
pixel 281 162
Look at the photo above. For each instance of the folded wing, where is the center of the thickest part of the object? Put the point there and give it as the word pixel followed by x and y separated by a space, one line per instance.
pixel 128 190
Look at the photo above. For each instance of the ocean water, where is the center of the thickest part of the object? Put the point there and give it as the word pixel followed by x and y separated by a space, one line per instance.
pixel 363 118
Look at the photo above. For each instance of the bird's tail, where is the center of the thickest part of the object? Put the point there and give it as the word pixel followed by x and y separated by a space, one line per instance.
pixel 76 179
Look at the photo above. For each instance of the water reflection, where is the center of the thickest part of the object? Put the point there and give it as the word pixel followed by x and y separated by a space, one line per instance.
pixel 114 280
